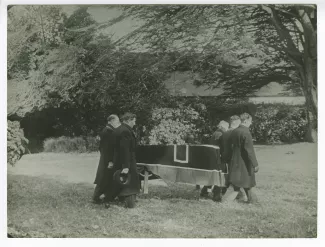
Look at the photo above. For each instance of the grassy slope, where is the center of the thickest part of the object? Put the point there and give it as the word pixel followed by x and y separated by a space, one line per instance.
pixel 49 195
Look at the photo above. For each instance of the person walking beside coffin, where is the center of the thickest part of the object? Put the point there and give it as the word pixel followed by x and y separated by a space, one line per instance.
pixel 106 147
pixel 243 162
pixel 125 162
pixel 216 136
pixel 225 150
pixel 215 140
pixel 234 122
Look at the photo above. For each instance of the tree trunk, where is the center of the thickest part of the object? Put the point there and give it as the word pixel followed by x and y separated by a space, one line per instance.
pixel 310 78
pixel 311 133
pixel 308 75
pixel 310 92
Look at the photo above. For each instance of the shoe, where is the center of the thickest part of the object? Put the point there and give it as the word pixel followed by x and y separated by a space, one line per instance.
pixel 241 196
pixel 130 201
pixel 204 195
pixel 96 201
pixel 216 199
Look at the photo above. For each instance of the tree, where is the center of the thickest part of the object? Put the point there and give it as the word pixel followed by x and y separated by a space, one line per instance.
pixel 66 87
pixel 241 48
pixel 296 26
pixel 31 31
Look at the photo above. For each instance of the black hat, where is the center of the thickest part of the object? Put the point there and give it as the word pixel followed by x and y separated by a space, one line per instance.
pixel 122 178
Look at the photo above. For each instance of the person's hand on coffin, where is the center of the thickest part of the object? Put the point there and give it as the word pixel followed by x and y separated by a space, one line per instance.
pixel 256 169
pixel 110 165
pixel 125 171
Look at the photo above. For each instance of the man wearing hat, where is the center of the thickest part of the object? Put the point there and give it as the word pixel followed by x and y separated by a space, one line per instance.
pixel 106 148
pixel 126 177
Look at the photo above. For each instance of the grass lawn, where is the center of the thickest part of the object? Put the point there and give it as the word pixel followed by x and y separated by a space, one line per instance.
pixel 49 196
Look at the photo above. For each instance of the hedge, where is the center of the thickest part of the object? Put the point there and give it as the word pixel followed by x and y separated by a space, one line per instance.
pixel 16 142
pixel 276 124
pixel 65 144
pixel 272 124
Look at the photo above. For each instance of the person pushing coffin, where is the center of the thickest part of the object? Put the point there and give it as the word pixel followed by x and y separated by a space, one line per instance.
pixel 125 162
pixel 225 144
pixel 216 139
pixel 225 152
pixel 106 148
pixel 243 162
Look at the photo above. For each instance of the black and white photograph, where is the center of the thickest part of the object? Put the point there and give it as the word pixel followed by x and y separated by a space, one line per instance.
pixel 188 121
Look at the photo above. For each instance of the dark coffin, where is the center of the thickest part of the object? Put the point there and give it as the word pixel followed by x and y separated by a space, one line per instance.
pixel 197 164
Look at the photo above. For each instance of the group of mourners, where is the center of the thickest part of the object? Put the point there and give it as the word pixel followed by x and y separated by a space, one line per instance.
pixel 237 157
pixel 118 179
pixel 117 175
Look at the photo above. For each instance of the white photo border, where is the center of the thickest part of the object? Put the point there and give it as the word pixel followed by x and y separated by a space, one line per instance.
pixel 158 242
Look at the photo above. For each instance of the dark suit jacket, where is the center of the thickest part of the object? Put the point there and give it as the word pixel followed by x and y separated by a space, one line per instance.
pixel 243 159
pixel 217 140
pixel 125 158
pixel 106 148
pixel 225 146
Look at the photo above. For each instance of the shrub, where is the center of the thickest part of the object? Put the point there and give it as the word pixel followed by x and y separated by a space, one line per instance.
pixel 92 143
pixel 214 109
pixel 172 126
pixel 279 124
pixel 272 123
pixel 65 144
pixel 15 142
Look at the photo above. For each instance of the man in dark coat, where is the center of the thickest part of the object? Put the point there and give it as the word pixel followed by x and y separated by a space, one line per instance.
pixel 243 163
pixel 106 147
pixel 225 142
pixel 225 151
pixel 216 136
pixel 216 140
pixel 125 160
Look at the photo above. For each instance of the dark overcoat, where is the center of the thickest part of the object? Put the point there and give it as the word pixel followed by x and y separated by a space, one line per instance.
pixel 125 158
pixel 106 148
pixel 243 159
pixel 225 146
pixel 217 140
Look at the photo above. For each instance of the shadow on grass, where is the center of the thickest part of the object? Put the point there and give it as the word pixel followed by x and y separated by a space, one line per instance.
pixel 172 191
pixel 51 192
